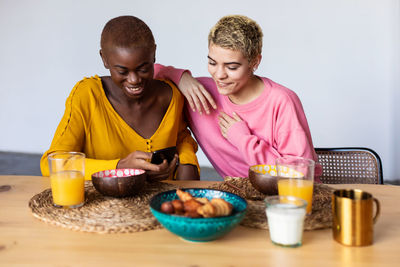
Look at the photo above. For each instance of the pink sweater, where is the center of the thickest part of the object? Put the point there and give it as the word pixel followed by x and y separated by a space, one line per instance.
pixel 273 125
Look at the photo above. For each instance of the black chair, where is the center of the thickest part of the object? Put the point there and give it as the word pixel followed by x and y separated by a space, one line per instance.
pixel 350 165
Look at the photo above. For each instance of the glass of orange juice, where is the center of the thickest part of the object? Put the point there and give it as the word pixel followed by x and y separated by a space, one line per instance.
pixel 296 178
pixel 67 179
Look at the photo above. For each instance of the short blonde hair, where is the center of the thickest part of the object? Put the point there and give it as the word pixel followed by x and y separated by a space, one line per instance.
pixel 237 32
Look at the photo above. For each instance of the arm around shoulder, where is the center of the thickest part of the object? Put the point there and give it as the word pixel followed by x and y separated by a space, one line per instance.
pixel 197 96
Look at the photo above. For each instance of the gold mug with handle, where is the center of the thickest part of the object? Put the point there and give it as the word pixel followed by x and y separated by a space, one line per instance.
pixel 353 219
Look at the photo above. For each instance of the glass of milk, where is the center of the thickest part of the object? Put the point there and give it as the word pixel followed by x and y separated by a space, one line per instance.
pixel 286 219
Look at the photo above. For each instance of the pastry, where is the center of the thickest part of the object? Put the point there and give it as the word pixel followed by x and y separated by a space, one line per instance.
pixel 184 196
pixel 207 210
pixel 222 207
pixel 198 207
pixel 191 205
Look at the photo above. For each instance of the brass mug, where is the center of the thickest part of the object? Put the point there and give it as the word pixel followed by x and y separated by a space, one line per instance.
pixel 353 220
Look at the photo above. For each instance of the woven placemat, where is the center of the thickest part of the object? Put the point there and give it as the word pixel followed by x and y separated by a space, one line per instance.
pixel 320 218
pixel 101 214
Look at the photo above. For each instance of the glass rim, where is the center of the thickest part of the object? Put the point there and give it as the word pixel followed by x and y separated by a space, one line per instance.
pixel 303 202
pixel 53 155
pixel 309 161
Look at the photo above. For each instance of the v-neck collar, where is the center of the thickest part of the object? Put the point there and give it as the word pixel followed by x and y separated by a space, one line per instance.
pixel 124 123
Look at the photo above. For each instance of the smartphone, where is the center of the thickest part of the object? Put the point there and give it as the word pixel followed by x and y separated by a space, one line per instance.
pixel 165 153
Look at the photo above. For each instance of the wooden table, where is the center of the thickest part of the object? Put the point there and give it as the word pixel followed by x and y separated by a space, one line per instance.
pixel 26 240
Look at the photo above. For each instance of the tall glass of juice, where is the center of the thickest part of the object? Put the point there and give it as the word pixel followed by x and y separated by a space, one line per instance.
pixel 296 178
pixel 67 179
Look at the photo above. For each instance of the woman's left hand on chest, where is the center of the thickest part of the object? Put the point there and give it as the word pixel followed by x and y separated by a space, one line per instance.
pixel 226 121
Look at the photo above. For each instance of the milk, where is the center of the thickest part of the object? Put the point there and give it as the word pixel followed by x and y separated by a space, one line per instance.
pixel 286 223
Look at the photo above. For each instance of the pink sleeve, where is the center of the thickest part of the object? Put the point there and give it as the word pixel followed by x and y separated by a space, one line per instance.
pixel 168 72
pixel 292 136
pixel 293 133
pixel 256 151
pixel 253 149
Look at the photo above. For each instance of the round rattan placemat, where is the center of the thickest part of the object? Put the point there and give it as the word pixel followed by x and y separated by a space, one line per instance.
pixel 101 214
pixel 320 218
pixel 132 214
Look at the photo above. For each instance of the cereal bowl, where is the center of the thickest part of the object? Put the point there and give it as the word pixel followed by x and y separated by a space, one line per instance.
pixel 119 182
pixel 263 178
pixel 199 229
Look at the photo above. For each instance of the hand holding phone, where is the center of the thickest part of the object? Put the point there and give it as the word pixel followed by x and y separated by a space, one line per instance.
pixel 165 153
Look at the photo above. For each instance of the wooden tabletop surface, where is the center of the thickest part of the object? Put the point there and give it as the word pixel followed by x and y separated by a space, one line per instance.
pixel 27 240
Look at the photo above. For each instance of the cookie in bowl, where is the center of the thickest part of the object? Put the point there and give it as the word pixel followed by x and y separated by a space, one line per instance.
pixel 203 215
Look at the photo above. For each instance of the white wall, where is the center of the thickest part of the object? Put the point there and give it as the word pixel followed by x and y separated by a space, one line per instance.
pixel 340 56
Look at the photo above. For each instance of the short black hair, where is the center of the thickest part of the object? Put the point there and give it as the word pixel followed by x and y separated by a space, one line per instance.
pixel 126 32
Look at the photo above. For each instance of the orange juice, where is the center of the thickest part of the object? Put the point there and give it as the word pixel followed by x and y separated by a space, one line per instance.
pixel 297 187
pixel 68 188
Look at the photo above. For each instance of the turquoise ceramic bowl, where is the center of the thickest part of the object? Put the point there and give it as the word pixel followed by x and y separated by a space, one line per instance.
pixel 199 229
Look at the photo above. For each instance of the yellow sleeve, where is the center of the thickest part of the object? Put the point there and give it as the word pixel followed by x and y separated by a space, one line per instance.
pixel 72 130
pixel 187 146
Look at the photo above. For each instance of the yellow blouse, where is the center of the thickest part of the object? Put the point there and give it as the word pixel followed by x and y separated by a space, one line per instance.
pixel 92 126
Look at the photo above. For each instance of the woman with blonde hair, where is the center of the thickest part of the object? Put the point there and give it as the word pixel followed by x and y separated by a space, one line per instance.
pixel 254 120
